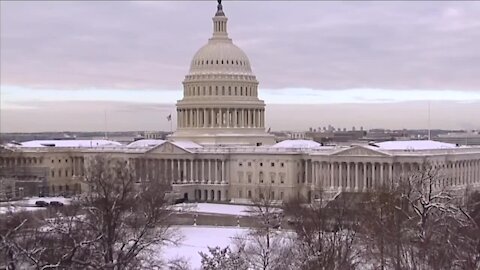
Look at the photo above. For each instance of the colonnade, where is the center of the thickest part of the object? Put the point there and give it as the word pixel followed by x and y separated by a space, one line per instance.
pixel 221 117
pixel 181 171
pixel 78 166
pixel 361 175
pixel 19 161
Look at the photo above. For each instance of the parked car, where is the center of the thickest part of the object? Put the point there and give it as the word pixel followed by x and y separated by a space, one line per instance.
pixel 41 203
pixel 181 200
pixel 56 203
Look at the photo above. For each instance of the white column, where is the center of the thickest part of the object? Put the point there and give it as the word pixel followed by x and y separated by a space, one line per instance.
pixel 212 117
pixel 210 172
pixel 172 177
pixel 348 176
pixel 390 173
pixel 305 176
pixel 373 175
pixel 382 181
pixel 234 118
pixel 223 171
pixel 192 179
pixel 204 112
pixel 203 171
pixel 340 176
pixel 263 117
pixel 356 177
pixel 332 179
pixel 312 165
pixel 364 176
pixel 179 171
pixel 215 171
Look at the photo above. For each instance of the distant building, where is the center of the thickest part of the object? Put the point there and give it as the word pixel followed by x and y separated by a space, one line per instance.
pixel 460 138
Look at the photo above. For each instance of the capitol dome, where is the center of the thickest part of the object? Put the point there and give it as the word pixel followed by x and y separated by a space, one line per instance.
pixel 220 56
pixel 220 103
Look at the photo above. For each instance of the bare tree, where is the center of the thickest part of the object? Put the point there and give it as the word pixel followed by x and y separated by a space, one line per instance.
pixel 118 224
pixel 325 237
pixel 466 244
pixel 222 259
pixel 265 246
pixel 418 224
pixel 383 231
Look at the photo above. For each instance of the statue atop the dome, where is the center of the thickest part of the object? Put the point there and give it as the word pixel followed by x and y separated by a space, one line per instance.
pixel 220 8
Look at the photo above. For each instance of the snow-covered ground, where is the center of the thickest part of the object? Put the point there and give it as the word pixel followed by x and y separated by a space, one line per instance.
pixel 216 208
pixel 225 209
pixel 199 238
pixel 28 204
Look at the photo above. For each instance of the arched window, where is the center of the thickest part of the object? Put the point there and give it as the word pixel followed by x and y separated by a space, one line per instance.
pixel 223 90
pixel 222 62
pixel 217 62
pixel 235 92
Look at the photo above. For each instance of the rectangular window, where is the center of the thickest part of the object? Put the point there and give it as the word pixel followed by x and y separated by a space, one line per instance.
pixel 249 178
pixel 281 195
pixel 272 164
pixel 249 194
pixel 282 164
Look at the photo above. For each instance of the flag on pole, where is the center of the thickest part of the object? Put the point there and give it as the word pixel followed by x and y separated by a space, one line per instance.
pixel 169 117
pixel 269 129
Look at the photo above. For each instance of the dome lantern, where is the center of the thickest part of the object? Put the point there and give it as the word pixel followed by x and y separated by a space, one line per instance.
pixel 220 23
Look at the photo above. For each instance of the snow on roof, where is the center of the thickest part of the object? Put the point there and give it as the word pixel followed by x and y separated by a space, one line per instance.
pixel 69 143
pixel 145 143
pixel 296 144
pixel 414 145
pixel 186 144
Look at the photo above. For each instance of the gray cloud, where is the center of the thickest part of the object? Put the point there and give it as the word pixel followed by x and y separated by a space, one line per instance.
pixel 320 45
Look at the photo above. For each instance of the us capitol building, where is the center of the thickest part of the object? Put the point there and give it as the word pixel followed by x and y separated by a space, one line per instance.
pixel 221 152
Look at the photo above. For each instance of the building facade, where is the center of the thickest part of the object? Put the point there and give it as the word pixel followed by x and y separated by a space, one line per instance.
pixel 221 152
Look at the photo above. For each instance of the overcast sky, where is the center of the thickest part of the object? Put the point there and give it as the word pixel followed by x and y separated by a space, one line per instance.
pixel 372 64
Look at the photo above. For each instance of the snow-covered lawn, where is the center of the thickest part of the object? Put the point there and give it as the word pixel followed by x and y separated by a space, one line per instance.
pixel 198 238
pixel 225 209
pixel 28 204
pixel 14 209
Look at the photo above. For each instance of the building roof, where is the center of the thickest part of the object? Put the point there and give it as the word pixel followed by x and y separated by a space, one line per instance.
pixel 68 143
pixel 414 145
pixel 145 143
pixel 186 144
pixel 296 144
